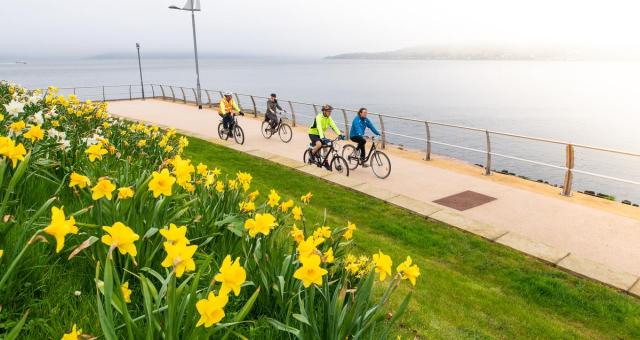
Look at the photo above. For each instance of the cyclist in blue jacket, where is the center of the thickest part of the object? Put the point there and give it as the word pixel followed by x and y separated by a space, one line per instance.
pixel 358 127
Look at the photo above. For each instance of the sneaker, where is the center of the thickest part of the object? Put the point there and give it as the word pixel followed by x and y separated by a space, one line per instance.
pixel 365 165
pixel 327 166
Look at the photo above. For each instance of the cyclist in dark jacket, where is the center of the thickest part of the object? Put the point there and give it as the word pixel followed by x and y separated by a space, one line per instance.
pixel 358 127
pixel 271 116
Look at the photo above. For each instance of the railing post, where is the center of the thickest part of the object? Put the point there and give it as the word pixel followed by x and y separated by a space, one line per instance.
pixel 384 135
pixel 255 108
pixel 568 176
pixel 173 94
pixel 196 95
pixel 293 114
pixel 221 95
pixel 130 97
pixel 162 90
pixel 153 92
pixel 184 97
pixel 428 155
pixel 208 98
pixel 487 167
pixel 104 98
pixel 74 91
pixel 238 101
pixel 315 109
pixel 346 123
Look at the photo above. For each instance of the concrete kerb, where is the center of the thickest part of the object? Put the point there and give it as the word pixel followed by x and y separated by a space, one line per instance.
pixel 569 262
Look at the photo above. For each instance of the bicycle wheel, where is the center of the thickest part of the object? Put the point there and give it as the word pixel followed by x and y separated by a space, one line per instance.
pixel 285 132
pixel 266 130
pixel 238 135
pixel 380 164
pixel 306 156
pixel 339 165
pixel 221 133
pixel 350 154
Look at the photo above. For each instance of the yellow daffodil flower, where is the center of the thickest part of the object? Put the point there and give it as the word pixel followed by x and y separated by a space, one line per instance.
pixel 180 257
pixel 328 256
pixel 306 198
pixel 211 309
pixel 348 234
pixel 297 213
pixel 231 275
pixel 17 127
pixel 310 272
pixel 382 264
pixel 141 143
pixel 15 154
pixel 35 133
pixel 322 233
pixel 95 151
pixel 126 292
pixel 219 186
pixel 122 237
pixel 285 206
pixel 262 224
pixel 161 183
pixel 202 169
pixel 74 335
pixel 274 198
pixel 408 270
pixel 247 206
pixel 297 234
pixel 78 180
pixel 125 193
pixel 253 195
pixel 175 235
pixel 60 227
pixel 104 188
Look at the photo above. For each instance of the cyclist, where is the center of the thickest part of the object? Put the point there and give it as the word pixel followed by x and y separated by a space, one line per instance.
pixel 227 109
pixel 320 124
pixel 358 127
pixel 271 116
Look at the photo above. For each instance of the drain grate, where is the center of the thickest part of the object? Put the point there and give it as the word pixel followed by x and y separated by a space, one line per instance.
pixel 465 200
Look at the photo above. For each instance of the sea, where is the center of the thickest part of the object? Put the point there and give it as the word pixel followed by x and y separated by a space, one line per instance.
pixel 584 103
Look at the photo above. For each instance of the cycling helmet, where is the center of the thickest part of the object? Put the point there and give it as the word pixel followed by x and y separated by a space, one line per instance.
pixel 273 95
pixel 227 93
pixel 327 107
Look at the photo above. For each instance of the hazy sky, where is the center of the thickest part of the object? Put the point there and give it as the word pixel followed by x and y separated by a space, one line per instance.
pixel 308 27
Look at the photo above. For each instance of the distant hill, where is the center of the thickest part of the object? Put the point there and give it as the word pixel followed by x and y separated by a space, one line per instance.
pixel 442 52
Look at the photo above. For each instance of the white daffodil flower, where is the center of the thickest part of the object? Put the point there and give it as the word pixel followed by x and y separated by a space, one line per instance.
pixel 14 108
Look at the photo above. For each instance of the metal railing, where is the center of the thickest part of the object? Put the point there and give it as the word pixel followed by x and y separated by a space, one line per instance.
pixel 298 110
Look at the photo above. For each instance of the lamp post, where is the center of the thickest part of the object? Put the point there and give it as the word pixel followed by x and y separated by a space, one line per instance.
pixel 193 6
pixel 140 68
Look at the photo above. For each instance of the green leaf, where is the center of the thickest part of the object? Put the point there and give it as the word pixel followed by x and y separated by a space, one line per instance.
pixel 15 331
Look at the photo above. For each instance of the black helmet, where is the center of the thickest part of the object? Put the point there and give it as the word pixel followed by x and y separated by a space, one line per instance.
pixel 327 107
pixel 273 95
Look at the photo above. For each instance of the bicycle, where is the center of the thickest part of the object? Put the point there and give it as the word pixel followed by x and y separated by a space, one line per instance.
pixel 379 161
pixel 337 163
pixel 234 130
pixel 283 129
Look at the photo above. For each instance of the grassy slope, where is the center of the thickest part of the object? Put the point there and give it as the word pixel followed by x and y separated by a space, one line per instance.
pixel 469 288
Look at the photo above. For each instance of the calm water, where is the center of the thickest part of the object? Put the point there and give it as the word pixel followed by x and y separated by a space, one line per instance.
pixel 581 102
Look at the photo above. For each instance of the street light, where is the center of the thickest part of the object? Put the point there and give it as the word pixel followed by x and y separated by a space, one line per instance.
pixel 193 6
pixel 140 68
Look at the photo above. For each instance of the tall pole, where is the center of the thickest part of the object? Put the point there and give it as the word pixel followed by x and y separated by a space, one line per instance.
pixel 195 48
pixel 140 68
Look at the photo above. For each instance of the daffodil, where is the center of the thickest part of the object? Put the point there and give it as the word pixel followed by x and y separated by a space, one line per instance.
pixel 126 292
pixel 285 206
pixel 35 133
pixel 73 335
pixel 1 253
pixel 297 234
pixel 175 234
pixel 211 309
pixel 261 224
pixel 141 143
pixel 382 265
pixel 78 180
pixel 14 107
pixel 161 183
pixel 310 272
pixel 104 188
pixel 60 227
pixel 16 153
pixel 253 195
pixel 6 144
pixel 408 270
pixel 95 151
pixel 274 198
pixel 233 184
pixel 348 234
pixel 231 275
pixel 122 237
pixel 247 206
pixel 307 248
pixel 216 172
pixel 328 256
pixel 125 193
pixel 202 169
pixel 17 127
pixel 323 232
pixel 297 213
pixel 219 186
pixel 306 198
pixel 180 257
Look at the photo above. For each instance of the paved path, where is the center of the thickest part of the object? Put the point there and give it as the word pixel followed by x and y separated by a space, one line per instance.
pixel 596 243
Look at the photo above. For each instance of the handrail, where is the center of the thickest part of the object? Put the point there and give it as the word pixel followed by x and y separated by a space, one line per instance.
pixel 568 167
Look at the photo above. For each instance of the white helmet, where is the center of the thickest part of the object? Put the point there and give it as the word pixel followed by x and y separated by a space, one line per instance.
pixel 227 93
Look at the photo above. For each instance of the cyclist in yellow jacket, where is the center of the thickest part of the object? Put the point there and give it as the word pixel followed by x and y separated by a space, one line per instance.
pixel 228 108
pixel 320 124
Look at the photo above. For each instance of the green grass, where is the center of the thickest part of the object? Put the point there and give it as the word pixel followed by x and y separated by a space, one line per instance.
pixel 469 287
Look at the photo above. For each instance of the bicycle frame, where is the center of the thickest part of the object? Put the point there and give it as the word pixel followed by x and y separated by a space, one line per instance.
pixel 331 152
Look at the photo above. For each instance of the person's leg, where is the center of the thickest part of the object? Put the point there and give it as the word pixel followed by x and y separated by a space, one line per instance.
pixel 226 121
pixel 361 143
